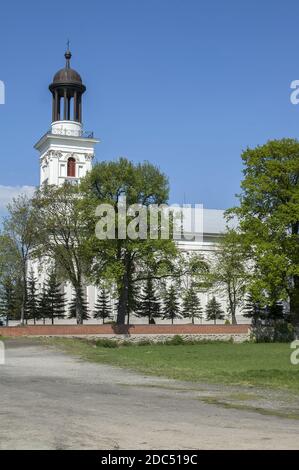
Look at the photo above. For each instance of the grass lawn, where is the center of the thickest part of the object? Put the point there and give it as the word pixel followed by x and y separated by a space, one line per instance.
pixel 266 365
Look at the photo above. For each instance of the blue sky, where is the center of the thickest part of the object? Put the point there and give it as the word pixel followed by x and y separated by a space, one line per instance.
pixel 184 84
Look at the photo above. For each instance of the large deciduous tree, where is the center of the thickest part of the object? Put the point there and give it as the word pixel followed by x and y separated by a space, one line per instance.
pixel 62 237
pixel 124 260
pixel 230 272
pixel 20 232
pixel 269 220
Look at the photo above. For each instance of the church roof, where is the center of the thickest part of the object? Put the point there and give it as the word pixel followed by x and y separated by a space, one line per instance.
pixel 67 75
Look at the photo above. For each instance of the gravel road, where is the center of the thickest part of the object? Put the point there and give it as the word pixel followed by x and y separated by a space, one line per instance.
pixel 50 400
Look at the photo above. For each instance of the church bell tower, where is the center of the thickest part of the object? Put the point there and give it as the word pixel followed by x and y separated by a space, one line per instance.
pixel 66 150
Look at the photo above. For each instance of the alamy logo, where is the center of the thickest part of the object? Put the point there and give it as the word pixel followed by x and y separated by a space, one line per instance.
pixel 295 354
pixel 140 222
pixel 2 353
pixel 295 94
pixel 2 92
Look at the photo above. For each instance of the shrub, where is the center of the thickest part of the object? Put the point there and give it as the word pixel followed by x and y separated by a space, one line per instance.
pixel 106 343
pixel 176 340
pixel 283 332
pixel 279 332
pixel 144 342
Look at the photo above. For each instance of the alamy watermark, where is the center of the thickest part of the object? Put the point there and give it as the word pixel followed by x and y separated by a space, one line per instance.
pixel 154 222
pixel 295 354
pixel 2 92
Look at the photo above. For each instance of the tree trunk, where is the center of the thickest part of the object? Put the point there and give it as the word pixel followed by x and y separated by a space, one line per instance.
pixel 122 307
pixel 24 299
pixel 234 319
pixel 294 301
pixel 79 305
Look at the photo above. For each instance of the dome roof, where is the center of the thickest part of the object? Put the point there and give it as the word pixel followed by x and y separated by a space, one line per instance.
pixel 67 75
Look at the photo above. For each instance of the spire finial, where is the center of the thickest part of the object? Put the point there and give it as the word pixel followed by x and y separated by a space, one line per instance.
pixel 68 55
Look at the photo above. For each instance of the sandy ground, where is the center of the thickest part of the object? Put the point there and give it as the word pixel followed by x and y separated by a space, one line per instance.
pixel 49 400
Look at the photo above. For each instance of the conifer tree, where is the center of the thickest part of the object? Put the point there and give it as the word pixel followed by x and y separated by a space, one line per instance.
pixel 253 310
pixel 55 298
pixel 73 308
pixel 263 313
pixel 102 307
pixel 7 300
pixel 191 304
pixel 214 310
pixel 43 304
pixel 148 304
pixel 32 310
pixel 171 304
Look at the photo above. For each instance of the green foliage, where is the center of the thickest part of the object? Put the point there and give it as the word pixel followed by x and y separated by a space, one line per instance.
pixel 148 302
pixel 55 298
pixel 102 307
pixel 19 237
pixel 176 340
pixel 214 310
pixel 51 299
pixel 229 273
pixel 191 304
pixel 106 343
pixel 32 310
pixel 7 300
pixel 62 235
pixel 78 307
pixel 171 308
pixel 123 260
pixel 269 221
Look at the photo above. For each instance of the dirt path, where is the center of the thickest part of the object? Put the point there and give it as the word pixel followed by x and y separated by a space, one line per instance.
pixel 49 400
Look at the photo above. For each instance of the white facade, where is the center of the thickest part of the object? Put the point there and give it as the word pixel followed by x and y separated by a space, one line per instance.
pixel 65 140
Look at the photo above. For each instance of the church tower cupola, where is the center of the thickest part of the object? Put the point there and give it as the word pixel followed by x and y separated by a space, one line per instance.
pixel 66 150
pixel 67 90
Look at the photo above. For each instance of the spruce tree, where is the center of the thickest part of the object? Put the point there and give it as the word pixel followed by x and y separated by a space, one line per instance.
pixel 7 300
pixel 263 313
pixel 43 304
pixel 253 310
pixel 56 298
pixel 171 304
pixel 148 304
pixel 102 307
pixel 32 304
pixel 214 310
pixel 191 304
pixel 79 298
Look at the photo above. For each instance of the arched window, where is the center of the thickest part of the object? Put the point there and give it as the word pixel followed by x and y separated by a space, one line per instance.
pixel 71 167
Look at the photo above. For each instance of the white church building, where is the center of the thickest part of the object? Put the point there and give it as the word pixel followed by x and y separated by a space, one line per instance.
pixel 66 153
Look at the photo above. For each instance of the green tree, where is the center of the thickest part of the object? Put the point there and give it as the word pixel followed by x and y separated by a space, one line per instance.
pixel 79 299
pixel 253 309
pixel 55 298
pixel 43 304
pixel 268 217
pixel 62 237
pixel 32 306
pixel 149 303
pixel 230 272
pixel 123 260
pixel 191 304
pixel 7 300
pixel 171 308
pixel 103 307
pixel 20 232
pixel 214 311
